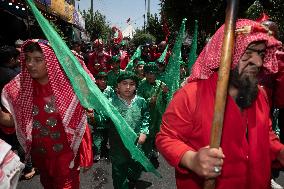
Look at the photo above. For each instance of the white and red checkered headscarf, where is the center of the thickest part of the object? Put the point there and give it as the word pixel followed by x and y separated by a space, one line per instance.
pixel 247 31
pixel 19 96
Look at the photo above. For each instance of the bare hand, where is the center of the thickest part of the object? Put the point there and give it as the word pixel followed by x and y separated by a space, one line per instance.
pixel 206 162
pixel 142 138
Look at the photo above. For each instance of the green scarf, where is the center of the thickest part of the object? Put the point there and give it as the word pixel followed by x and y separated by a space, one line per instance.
pixel 87 92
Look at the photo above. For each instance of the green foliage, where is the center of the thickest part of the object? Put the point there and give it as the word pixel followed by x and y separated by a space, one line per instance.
pixel 211 14
pixel 254 10
pixel 96 25
pixel 141 38
pixel 275 10
pixel 155 28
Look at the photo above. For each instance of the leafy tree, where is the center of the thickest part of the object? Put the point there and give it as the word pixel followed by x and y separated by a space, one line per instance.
pixel 155 28
pixel 96 25
pixel 211 13
pixel 273 8
pixel 141 38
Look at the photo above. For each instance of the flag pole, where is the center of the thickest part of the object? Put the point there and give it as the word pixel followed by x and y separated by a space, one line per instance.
pixel 223 80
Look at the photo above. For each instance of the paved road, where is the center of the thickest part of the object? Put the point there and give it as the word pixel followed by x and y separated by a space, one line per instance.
pixel 99 177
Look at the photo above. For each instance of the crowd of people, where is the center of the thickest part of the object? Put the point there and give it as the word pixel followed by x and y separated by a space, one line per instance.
pixel 44 122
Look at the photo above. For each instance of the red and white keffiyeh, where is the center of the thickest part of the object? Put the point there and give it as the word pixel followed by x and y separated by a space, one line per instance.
pixel 247 31
pixel 18 97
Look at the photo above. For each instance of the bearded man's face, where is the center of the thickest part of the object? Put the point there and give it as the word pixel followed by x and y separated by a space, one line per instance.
pixel 244 76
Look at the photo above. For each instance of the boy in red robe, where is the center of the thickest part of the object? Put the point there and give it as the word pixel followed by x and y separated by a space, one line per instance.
pixel 50 122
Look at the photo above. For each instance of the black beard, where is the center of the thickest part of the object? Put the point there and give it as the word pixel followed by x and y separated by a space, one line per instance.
pixel 247 88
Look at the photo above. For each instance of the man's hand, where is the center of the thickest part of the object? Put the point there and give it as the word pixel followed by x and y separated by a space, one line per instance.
pixel 142 138
pixel 206 162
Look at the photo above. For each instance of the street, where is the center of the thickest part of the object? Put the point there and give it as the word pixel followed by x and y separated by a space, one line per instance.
pixel 99 177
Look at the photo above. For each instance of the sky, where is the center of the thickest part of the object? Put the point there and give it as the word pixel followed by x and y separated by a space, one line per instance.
pixel 118 11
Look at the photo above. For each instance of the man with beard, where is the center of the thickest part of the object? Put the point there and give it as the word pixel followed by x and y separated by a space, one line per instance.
pixel 248 145
pixel 274 86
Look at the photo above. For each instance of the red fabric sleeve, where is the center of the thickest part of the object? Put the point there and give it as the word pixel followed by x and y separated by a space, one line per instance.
pixel 85 150
pixel 176 126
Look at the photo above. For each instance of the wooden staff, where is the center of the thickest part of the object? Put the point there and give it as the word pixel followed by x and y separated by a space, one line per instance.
pixel 223 80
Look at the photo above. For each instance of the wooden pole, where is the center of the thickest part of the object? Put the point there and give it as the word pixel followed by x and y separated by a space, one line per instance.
pixel 223 80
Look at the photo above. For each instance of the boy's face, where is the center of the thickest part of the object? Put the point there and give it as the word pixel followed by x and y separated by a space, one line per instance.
pixel 150 77
pixel 115 65
pixel 101 83
pixel 140 69
pixel 126 88
pixel 35 64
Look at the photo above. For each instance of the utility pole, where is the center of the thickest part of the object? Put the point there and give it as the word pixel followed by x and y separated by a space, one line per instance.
pixel 92 6
pixel 148 13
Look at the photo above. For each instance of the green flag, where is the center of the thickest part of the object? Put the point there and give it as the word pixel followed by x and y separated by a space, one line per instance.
pixel 137 54
pixel 163 55
pixel 87 92
pixel 192 54
pixel 172 72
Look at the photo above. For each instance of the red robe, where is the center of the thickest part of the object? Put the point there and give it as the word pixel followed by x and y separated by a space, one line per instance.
pixel 101 58
pixel 124 59
pixel 186 126
pixel 54 166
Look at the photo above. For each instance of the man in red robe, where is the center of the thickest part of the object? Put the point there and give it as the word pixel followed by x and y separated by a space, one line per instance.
pixel 50 122
pixel 248 145
pixel 98 58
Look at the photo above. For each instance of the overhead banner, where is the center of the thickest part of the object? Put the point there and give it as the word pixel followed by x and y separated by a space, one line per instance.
pixel 44 2
pixel 63 9
pixel 78 20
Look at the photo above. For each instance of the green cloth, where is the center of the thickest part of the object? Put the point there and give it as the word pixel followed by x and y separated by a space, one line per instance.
pixel 112 78
pixel 172 72
pixel 87 92
pixel 137 116
pixel 161 77
pixel 147 91
pixel 192 56
pixel 163 55
pixel 137 54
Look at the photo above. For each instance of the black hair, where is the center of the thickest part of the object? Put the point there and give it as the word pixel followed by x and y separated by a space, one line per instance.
pixel 31 47
pixel 127 75
pixel 7 53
